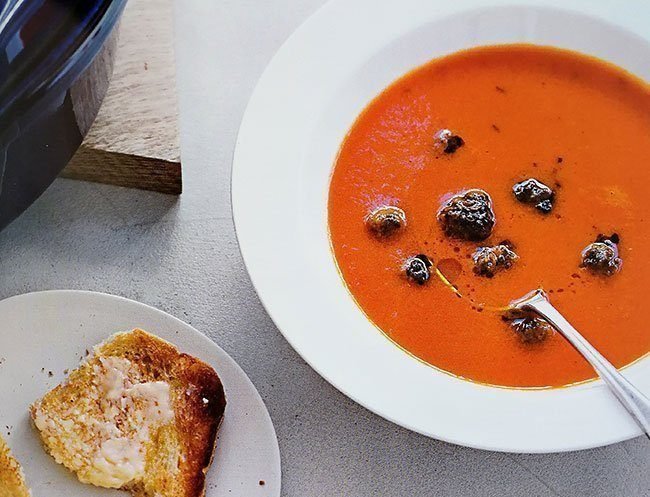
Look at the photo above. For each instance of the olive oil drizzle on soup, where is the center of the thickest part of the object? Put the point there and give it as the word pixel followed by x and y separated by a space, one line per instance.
pixel 499 122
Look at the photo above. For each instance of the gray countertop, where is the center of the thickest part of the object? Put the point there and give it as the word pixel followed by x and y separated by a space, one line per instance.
pixel 181 256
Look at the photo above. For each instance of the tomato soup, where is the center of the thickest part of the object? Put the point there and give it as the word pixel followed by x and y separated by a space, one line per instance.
pixel 580 126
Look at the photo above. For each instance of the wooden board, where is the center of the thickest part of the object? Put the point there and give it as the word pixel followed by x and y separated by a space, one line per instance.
pixel 134 140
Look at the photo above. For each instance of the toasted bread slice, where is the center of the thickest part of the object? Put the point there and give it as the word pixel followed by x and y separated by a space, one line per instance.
pixel 137 415
pixel 12 479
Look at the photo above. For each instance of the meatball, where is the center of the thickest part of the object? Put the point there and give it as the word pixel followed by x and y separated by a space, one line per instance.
pixel 601 257
pixel 448 141
pixel 418 269
pixel 490 260
pixel 385 221
pixel 531 330
pixel 535 193
pixel 468 216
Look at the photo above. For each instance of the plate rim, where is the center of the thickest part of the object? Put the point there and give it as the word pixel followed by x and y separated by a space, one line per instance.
pixel 202 340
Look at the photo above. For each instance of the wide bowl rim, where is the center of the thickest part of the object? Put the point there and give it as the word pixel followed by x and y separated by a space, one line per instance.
pixel 298 45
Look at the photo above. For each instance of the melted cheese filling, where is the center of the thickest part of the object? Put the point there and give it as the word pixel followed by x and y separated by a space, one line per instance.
pixel 118 418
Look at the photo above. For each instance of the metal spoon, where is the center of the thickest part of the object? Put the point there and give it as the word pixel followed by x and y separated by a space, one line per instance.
pixel 632 399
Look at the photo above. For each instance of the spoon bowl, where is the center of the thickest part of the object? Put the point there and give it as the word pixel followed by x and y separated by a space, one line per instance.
pixel 637 404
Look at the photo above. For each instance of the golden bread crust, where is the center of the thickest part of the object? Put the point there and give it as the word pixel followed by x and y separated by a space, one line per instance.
pixel 12 480
pixel 178 449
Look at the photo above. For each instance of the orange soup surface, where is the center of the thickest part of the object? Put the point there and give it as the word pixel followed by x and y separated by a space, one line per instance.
pixel 576 124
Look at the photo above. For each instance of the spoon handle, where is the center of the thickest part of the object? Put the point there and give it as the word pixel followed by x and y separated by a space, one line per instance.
pixel 634 401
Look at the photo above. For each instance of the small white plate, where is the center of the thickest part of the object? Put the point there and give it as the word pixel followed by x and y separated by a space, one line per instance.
pixel 42 334
pixel 303 106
